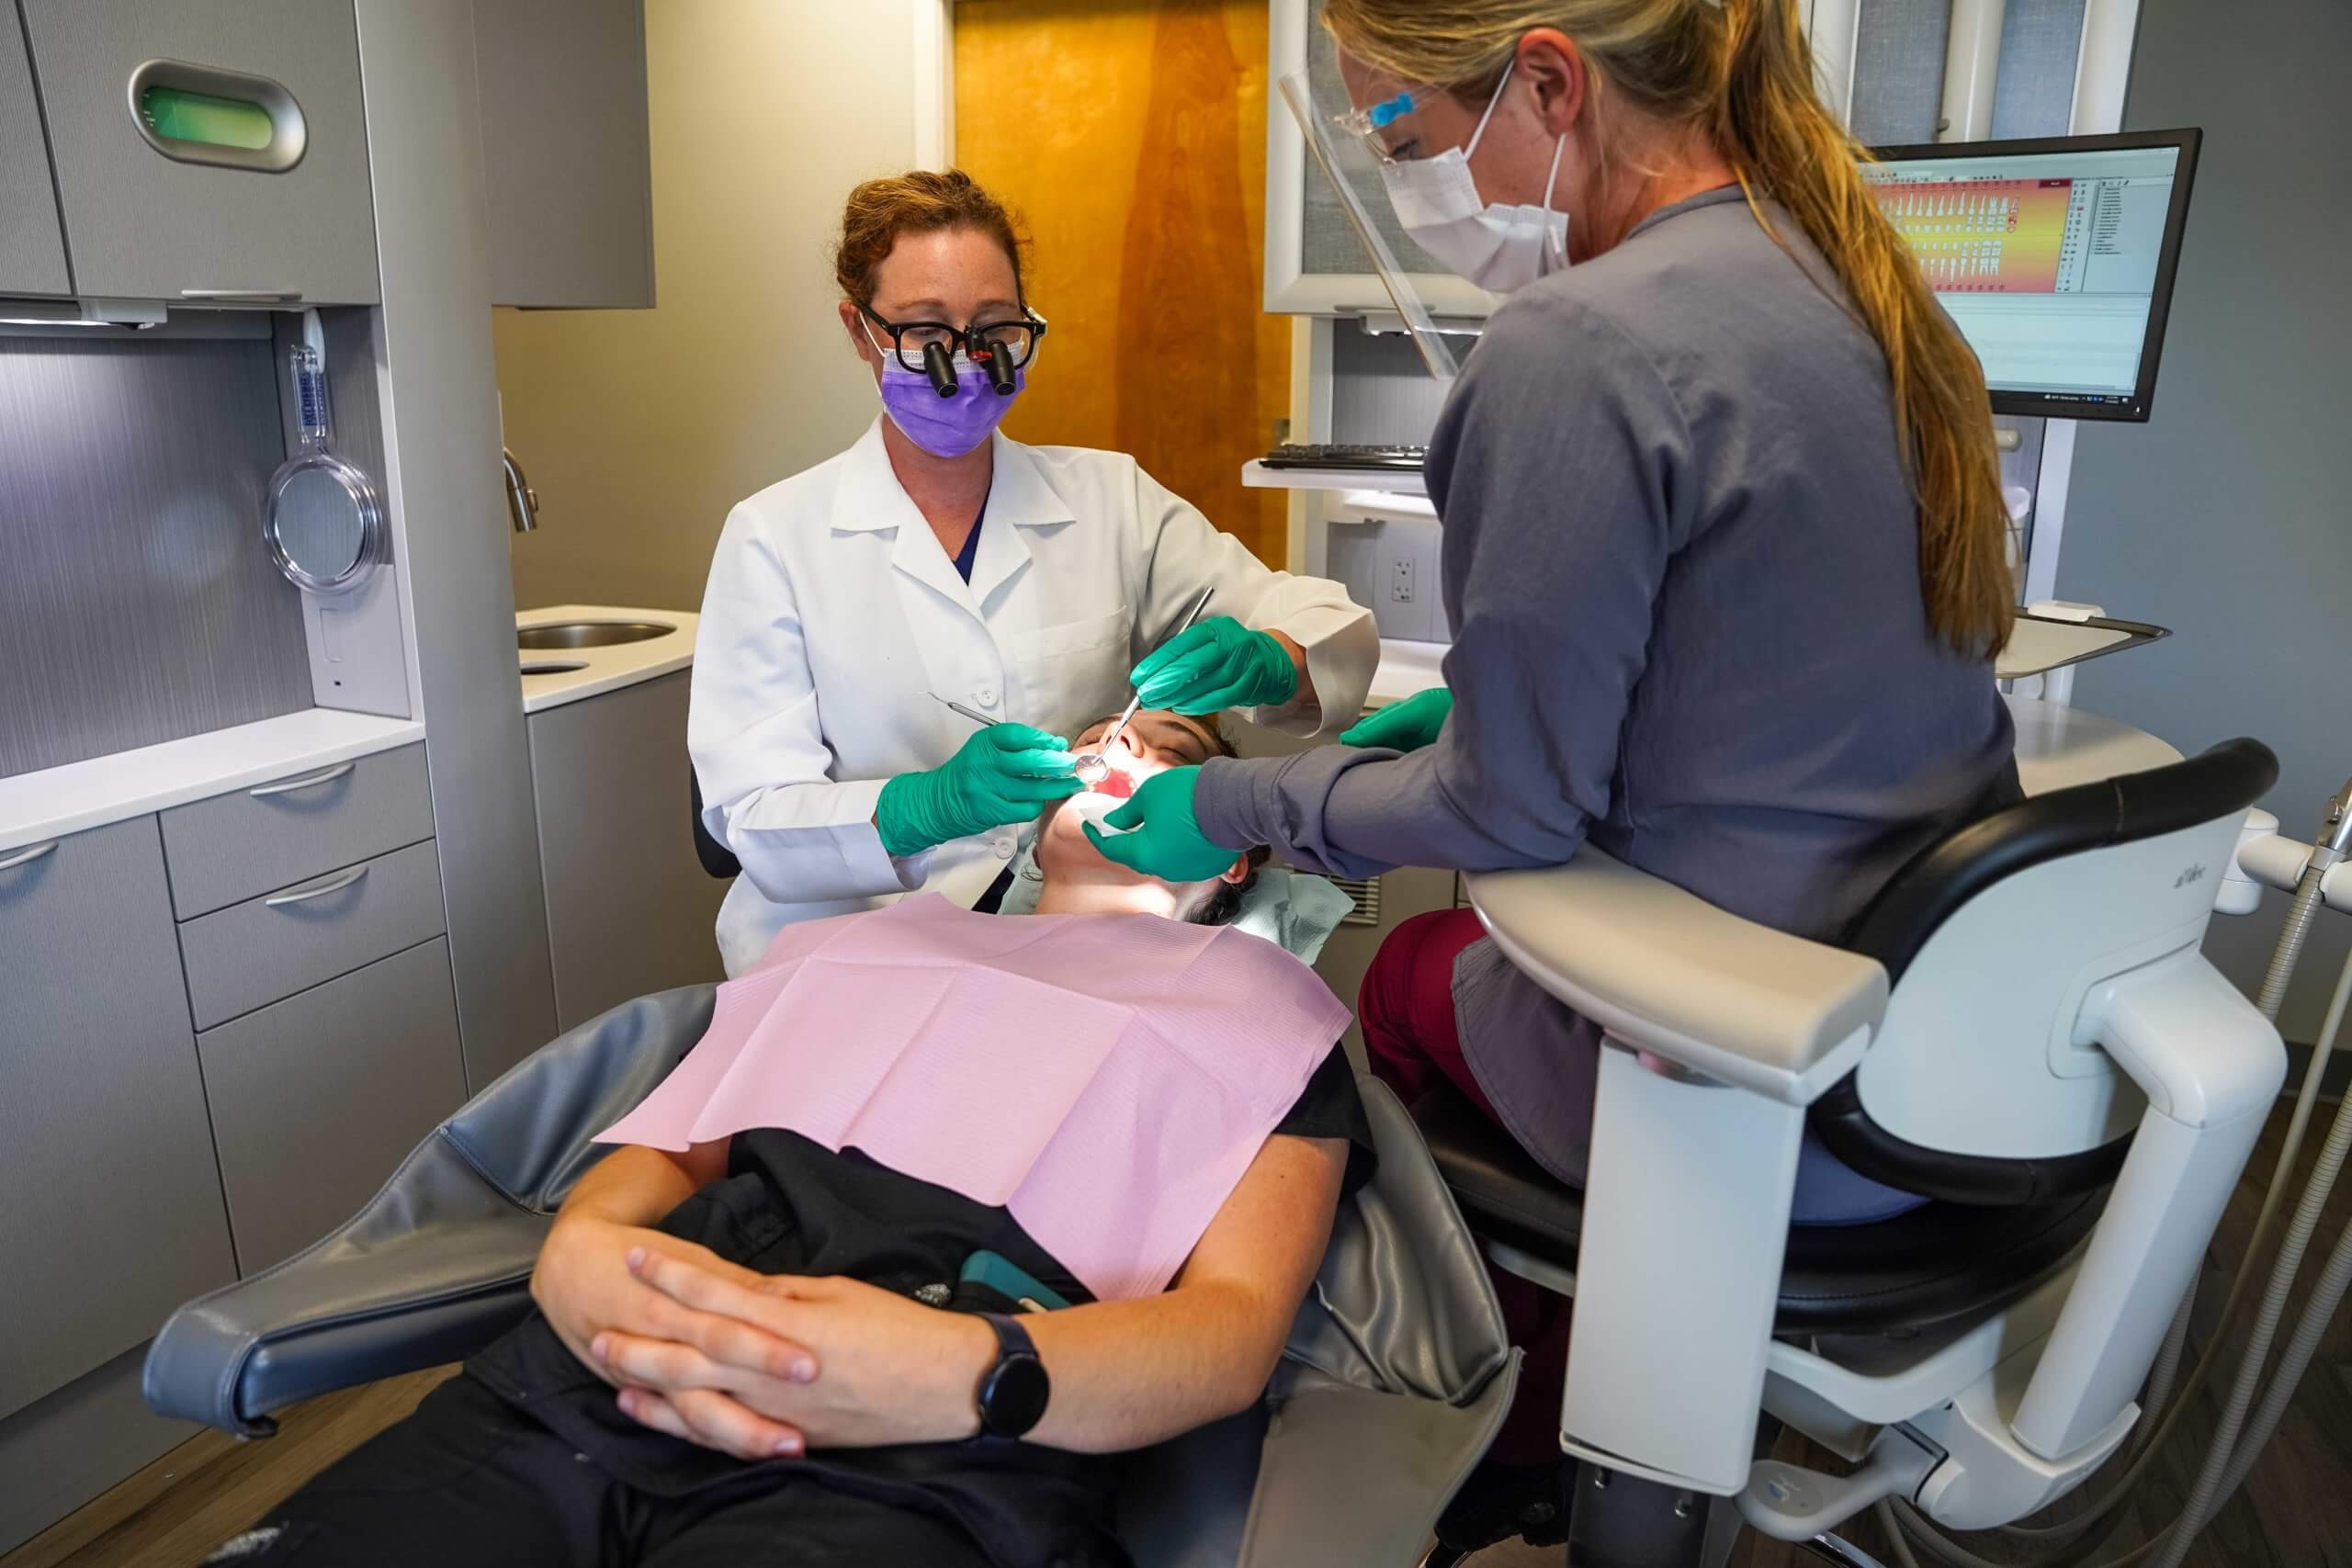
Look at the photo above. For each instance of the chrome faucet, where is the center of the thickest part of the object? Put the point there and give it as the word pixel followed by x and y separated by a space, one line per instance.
pixel 522 501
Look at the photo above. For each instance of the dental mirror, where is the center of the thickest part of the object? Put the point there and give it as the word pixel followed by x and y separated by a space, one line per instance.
pixel 322 523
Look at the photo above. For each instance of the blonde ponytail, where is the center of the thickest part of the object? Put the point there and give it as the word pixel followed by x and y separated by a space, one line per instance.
pixel 1775 131
pixel 1739 70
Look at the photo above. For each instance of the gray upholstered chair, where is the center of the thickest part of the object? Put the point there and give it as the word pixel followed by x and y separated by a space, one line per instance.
pixel 1397 1376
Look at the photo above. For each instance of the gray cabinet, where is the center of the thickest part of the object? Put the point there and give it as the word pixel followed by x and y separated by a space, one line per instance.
pixel 256 840
pixel 111 1214
pixel 629 908
pixel 252 953
pixel 566 158
pixel 316 1099
pixel 214 212
pixel 32 245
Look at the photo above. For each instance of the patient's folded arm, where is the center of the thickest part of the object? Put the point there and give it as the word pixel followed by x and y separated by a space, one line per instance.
pixel 1130 1373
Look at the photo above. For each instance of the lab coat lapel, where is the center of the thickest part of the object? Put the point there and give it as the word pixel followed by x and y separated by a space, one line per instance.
pixel 1019 501
pixel 871 501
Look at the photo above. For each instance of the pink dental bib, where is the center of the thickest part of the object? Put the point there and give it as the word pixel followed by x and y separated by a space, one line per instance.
pixel 1106 1077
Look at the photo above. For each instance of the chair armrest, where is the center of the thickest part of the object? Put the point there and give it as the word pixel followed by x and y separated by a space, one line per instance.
pixel 1665 971
pixel 436 1266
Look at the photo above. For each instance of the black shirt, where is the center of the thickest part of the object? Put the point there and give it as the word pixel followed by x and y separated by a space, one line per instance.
pixel 790 1206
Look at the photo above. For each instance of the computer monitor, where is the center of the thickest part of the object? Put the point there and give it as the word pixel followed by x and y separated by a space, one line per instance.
pixel 2054 256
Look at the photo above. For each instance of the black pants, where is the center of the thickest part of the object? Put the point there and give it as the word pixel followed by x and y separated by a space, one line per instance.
pixel 468 1480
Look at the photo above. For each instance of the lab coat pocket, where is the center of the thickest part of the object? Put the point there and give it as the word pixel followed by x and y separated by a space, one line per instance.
pixel 1073 673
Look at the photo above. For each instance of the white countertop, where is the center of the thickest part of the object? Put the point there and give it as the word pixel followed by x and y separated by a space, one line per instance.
pixel 1404 668
pixel 2060 744
pixel 55 801
pixel 601 669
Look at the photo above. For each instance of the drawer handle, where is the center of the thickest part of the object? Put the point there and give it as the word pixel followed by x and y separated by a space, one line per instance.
pixel 26 855
pixel 288 787
pixel 244 296
pixel 335 884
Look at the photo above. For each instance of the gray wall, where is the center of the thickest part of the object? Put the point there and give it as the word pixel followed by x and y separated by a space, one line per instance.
pixel 2225 516
pixel 136 604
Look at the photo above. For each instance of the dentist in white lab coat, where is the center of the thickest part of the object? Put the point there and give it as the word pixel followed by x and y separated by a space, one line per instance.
pixel 937 558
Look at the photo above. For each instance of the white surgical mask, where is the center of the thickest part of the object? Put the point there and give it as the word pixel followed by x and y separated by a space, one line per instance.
pixel 1496 247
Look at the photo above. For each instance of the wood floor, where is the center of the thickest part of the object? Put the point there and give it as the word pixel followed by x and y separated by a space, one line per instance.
pixel 2295 1511
pixel 178 1508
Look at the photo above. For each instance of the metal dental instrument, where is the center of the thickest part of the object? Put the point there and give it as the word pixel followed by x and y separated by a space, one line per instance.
pixel 975 714
pixel 1093 768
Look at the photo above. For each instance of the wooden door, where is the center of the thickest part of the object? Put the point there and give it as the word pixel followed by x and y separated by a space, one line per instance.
pixel 1131 134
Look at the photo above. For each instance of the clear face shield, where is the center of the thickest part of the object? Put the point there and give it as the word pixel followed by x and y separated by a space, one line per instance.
pixel 1341 144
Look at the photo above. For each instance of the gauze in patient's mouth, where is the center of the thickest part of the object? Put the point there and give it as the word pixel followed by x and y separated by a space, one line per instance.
pixel 1107 1078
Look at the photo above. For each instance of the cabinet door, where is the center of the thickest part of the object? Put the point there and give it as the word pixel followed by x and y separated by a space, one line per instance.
pixel 110 1214
pixel 316 1099
pixel 565 154
pixel 32 246
pixel 147 225
pixel 629 907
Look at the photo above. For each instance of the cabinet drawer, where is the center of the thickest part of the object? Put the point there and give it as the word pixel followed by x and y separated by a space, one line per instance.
pixel 253 841
pixel 111 1207
pixel 318 1099
pixel 252 953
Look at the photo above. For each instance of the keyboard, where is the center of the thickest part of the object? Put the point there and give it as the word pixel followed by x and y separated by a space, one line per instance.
pixel 1295 454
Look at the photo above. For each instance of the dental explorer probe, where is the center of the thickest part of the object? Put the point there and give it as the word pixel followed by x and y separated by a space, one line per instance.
pixel 1100 769
pixel 975 714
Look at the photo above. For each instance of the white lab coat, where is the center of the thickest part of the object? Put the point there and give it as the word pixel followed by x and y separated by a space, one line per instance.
pixel 832 611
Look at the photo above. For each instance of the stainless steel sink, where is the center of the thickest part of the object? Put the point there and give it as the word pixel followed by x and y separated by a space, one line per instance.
pixel 589 634
pixel 552 666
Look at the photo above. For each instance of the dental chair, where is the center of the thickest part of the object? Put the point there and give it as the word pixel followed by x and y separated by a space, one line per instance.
pixel 1394 1380
pixel 2020 1028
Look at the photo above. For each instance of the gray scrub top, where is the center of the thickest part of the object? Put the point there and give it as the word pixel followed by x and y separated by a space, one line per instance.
pixel 1681 561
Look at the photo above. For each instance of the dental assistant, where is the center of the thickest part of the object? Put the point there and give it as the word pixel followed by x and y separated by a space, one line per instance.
pixel 1723 542
pixel 937 558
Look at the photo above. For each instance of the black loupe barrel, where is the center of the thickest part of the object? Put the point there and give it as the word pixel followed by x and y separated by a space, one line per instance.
pixel 997 363
pixel 940 368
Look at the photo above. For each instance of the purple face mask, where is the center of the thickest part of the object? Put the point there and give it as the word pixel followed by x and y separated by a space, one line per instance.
pixel 949 426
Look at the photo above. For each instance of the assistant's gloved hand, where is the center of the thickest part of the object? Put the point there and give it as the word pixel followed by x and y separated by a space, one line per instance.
pixel 1002 775
pixel 1216 664
pixel 1167 842
pixel 1405 727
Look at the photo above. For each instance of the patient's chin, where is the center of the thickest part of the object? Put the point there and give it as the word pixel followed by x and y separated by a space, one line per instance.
pixel 1063 848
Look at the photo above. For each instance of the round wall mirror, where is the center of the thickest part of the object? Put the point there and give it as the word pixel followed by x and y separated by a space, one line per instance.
pixel 324 528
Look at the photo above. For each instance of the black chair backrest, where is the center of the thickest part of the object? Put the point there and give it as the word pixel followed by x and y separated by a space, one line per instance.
pixel 1944 877
pixel 715 858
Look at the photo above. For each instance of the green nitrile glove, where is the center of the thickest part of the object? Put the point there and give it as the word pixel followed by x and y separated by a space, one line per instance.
pixel 1405 727
pixel 1167 842
pixel 1004 773
pixel 1216 664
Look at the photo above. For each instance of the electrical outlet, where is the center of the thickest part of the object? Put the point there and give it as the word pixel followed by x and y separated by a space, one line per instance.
pixel 1400 580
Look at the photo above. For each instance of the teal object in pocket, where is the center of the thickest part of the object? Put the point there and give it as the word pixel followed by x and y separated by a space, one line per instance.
pixel 1009 1280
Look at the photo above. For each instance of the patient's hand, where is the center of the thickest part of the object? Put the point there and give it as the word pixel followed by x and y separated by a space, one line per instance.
pixel 895 1371
pixel 583 1284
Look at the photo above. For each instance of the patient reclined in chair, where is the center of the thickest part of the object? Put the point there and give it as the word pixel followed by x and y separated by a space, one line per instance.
pixel 1101 1095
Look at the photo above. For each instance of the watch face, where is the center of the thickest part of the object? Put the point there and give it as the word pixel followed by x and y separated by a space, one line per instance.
pixel 1015 1400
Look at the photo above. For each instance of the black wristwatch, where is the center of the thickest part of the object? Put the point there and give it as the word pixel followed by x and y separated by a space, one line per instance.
pixel 1014 1391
